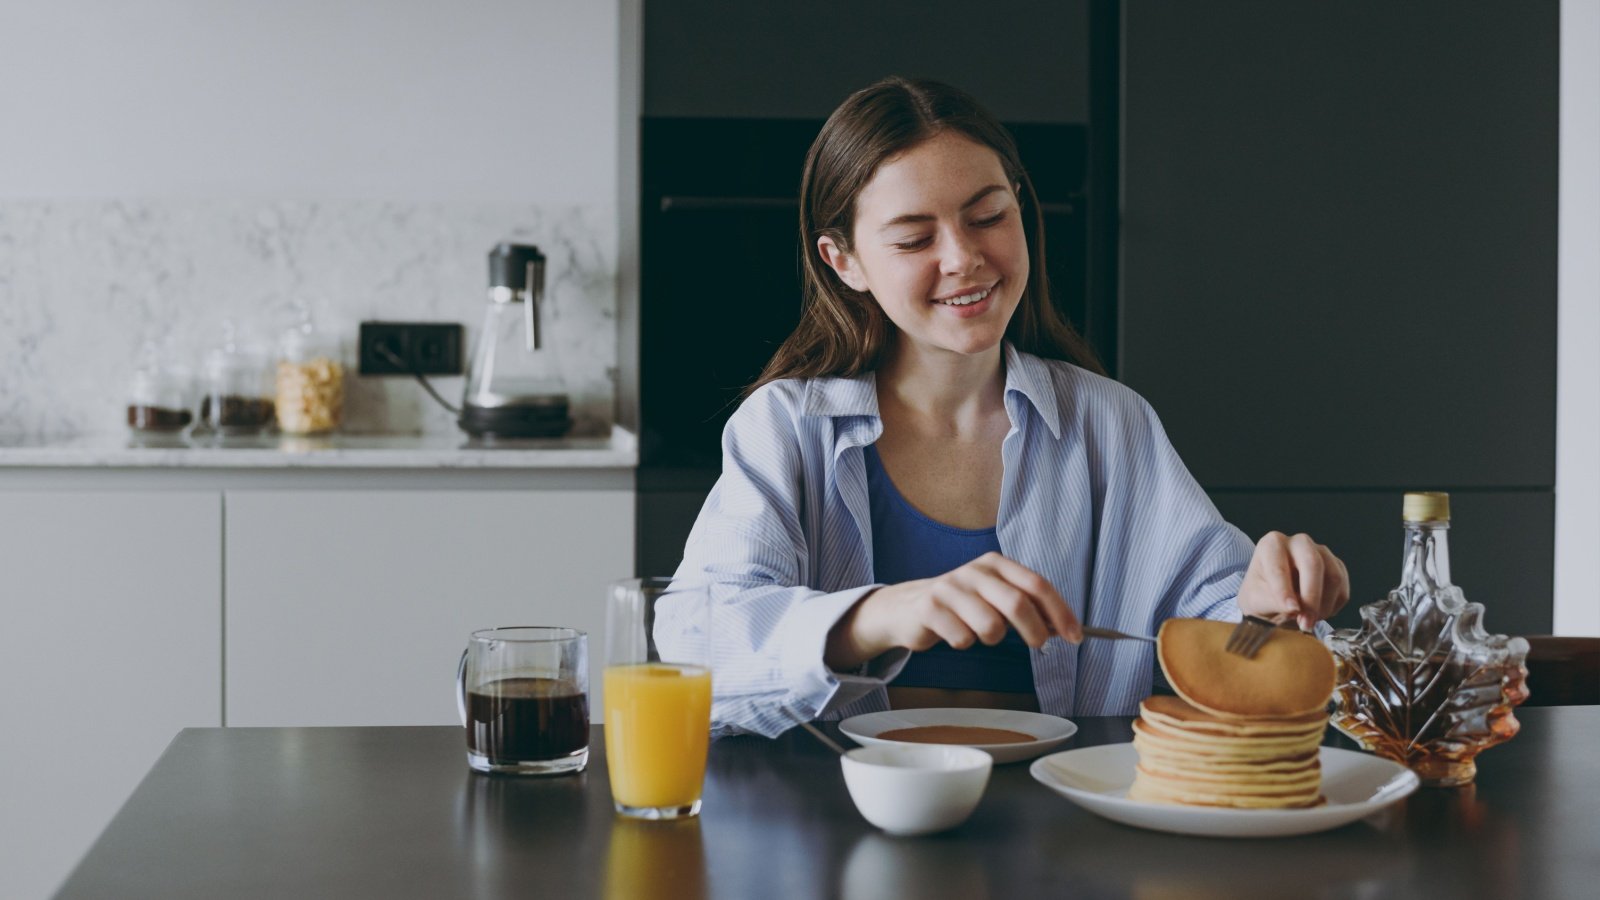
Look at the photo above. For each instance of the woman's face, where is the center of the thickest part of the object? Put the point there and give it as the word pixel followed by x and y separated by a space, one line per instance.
pixel 938 242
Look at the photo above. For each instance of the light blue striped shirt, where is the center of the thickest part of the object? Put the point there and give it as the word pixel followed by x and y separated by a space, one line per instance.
pixel 1093 497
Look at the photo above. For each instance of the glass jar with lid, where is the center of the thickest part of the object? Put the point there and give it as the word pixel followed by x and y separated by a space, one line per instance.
pixel 160 396
pixel 238 397
pixel 309 382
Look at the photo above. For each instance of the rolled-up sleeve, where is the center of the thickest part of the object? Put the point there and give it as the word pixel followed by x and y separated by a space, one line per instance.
pixel 749 546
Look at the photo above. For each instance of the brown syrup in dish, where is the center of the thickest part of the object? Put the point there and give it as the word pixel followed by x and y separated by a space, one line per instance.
pixel 956 734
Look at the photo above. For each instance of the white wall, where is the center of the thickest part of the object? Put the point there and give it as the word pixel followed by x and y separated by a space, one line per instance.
pixel 171 167
pixel 456 100
pixel 1577 608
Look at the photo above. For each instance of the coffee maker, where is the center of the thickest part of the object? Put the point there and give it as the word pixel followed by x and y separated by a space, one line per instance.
pixel 513 385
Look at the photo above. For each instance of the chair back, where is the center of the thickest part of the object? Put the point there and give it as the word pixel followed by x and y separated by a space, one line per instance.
pixel 1563 671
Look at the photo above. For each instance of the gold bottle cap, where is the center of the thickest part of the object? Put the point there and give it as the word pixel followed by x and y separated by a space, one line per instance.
pixel 1426 506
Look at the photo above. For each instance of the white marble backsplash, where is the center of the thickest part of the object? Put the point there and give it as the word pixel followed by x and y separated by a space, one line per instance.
pixel 84 285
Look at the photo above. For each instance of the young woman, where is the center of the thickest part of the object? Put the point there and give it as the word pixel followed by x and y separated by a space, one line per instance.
pixel 932 485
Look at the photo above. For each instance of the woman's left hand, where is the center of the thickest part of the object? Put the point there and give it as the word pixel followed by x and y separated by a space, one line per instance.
pixel 1294 576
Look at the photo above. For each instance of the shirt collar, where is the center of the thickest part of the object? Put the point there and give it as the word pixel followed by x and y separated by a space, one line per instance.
pixel 857 395
pixel 836 395
pixel 1029 376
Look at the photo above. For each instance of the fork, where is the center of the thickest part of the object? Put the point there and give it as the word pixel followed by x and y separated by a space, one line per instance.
pixel 1249 635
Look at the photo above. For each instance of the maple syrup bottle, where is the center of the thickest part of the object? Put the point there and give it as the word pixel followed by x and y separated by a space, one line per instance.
pixel 1420 682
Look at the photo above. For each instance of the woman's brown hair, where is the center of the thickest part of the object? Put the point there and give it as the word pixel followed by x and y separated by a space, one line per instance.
pixel 844 332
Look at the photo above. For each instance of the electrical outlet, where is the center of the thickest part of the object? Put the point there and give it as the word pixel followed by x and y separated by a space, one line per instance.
pixel 422 348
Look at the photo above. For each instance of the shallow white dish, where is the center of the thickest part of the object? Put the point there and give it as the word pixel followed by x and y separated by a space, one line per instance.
pixel 1356 785
pixel 1049 732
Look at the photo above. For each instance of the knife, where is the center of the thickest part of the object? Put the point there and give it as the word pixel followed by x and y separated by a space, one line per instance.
pixel 1110 634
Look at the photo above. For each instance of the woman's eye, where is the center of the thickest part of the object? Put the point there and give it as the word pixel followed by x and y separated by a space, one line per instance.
pixel 919 243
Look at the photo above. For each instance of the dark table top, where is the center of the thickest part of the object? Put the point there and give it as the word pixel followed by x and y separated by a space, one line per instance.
pixel 395 813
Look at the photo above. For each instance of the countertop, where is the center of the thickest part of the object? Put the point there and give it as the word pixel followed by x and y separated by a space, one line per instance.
pixel 395 813
pixel 119 450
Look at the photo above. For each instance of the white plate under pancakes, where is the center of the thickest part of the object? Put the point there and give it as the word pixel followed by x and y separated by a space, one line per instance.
pixel 1356 785
pixel 1048 732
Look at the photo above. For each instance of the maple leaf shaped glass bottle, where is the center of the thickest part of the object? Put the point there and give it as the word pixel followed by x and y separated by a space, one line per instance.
pixel 1420 682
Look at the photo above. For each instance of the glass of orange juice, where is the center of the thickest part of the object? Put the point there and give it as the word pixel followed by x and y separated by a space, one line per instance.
pixel 657 696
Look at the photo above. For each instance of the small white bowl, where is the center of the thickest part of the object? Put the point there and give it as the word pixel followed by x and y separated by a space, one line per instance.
pixel 916 790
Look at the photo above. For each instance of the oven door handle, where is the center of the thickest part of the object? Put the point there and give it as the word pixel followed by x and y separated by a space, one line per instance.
pixel 686 204
pixel 739 204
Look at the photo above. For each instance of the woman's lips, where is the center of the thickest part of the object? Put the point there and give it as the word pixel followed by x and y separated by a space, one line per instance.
pixel 971 309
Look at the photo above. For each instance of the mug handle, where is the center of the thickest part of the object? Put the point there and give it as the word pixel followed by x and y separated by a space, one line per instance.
pixel 461 688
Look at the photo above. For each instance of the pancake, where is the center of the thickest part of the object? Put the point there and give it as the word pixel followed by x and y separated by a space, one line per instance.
pixel 1248 782
pixel 1253 751
pixel 1150 790
pixel 1308 781
pixel 1158 791
pixel 1237 768
pixel 1196 735
pixel 1177 711
pixel 1290 677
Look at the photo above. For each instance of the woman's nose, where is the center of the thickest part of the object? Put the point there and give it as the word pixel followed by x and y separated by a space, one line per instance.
pixel 961 255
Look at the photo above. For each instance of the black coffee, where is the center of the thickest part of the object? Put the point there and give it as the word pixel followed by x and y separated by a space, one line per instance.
pixel 234 411
pixel 524 719
pixel 157 418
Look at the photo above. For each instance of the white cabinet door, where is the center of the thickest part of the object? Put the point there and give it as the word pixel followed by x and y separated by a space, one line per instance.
pixel 353 607
pixel 110 642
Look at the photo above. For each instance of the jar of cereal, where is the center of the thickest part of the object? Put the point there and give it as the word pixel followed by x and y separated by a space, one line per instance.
pixel 310 382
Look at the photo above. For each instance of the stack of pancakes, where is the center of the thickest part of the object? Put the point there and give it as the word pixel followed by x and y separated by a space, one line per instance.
pixel 1243 732
pixel 1188 756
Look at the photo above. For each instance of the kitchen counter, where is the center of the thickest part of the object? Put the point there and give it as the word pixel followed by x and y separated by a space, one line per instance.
pixel 617 450
pixel 232 586
pixel 395 812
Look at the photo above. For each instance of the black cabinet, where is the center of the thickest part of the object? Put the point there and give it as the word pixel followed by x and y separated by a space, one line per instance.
pixel 749 60
pixel 1339 263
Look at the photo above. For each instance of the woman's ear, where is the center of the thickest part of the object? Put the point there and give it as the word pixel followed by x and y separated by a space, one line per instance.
pixel 842 262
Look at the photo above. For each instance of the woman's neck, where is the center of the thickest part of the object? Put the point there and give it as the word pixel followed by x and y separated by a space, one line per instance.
pixel 949 392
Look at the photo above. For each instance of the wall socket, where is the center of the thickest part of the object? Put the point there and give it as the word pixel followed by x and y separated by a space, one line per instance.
pixel 425 348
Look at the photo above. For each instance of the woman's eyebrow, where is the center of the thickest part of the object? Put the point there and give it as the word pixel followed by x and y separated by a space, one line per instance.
pixel 928 217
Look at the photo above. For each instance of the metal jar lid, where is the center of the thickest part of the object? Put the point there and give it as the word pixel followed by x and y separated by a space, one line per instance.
pixel 1426 506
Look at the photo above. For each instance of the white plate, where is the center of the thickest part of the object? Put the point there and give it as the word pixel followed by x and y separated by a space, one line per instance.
pixel 1356 785
pixel 1049 732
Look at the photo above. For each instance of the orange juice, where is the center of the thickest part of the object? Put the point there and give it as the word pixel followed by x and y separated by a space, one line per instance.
pixel 658 725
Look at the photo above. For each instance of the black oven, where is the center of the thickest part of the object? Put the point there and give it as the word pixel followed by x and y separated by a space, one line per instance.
pixel 719 286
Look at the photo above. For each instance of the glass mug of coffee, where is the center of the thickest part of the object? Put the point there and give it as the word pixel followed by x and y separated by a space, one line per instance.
pixel 657 696
pixel 523 694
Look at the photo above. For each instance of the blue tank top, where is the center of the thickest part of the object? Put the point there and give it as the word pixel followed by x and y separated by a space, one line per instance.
pixel 907 545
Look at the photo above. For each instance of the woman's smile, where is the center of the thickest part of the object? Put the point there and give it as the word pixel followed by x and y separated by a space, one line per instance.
pixel 969 302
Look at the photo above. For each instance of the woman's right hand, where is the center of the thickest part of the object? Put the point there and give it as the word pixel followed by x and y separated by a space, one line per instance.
pixel 972 603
